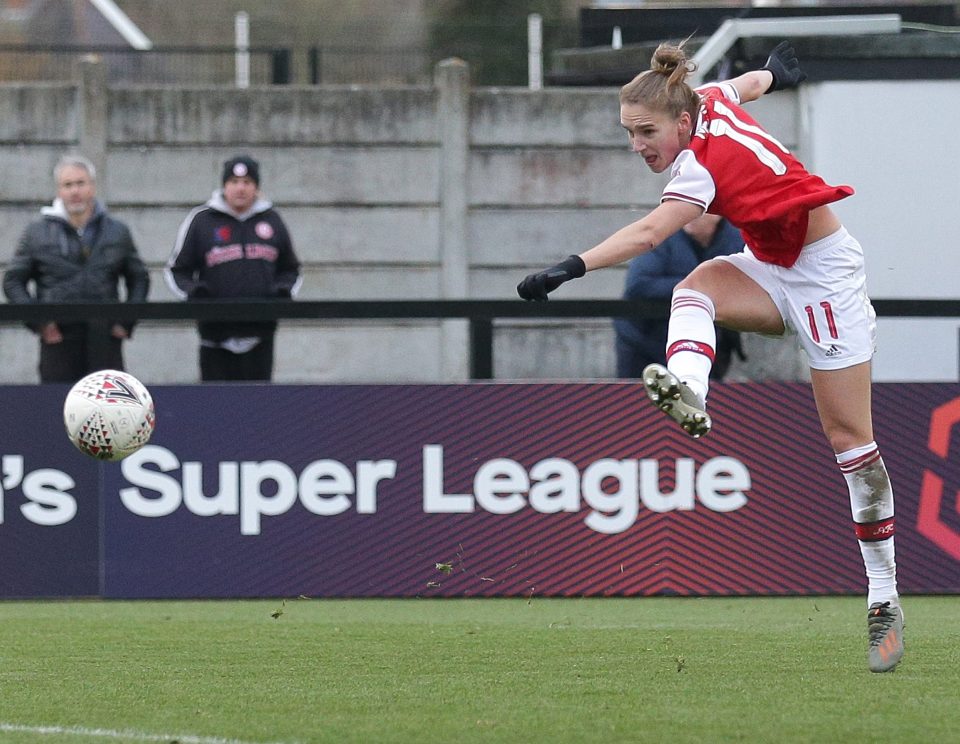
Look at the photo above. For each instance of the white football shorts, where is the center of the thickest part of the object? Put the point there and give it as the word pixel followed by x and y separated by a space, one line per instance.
pixel 822 299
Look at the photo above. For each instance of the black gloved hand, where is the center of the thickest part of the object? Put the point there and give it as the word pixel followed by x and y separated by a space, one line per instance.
pixel 785 68
pixel 537 286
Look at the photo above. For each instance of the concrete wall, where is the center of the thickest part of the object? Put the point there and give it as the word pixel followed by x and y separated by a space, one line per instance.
pixel 406 192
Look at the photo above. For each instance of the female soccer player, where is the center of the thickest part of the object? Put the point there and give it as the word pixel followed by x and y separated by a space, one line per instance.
pixel 800 271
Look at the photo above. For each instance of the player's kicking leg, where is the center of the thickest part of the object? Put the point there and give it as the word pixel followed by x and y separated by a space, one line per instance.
pixel 681 391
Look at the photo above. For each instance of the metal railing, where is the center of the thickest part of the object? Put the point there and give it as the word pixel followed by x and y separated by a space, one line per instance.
pixel 480 314
pixel 345 64
pixel 158 65
pixel 191 65
pixel 732 29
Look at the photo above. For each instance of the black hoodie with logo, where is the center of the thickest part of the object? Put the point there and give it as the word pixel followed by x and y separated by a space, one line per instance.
pixel 222 254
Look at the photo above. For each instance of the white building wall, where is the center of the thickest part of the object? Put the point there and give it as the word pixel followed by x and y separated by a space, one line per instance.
pixel 893 141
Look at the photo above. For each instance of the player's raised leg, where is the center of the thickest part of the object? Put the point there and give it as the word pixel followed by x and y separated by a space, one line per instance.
pixel 680 389
pixel 716 291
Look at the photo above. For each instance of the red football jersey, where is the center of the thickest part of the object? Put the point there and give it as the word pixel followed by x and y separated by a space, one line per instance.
pixel 733 168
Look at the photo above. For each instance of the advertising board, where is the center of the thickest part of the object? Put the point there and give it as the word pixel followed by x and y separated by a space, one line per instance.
pixel 555 489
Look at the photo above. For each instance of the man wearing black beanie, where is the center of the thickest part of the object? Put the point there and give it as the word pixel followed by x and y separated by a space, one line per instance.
pixel 235 246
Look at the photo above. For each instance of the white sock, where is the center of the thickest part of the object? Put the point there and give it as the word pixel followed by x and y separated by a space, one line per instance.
pixel 691 339
pixel 871 503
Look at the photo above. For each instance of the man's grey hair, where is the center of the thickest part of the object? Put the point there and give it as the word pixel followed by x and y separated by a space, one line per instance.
pixel 74 161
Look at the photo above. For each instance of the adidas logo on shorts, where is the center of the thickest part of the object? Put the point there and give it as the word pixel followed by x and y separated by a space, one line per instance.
pixel 833 351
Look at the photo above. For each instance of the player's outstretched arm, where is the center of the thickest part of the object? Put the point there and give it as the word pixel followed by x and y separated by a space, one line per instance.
pixel 781 72
pixel 632 240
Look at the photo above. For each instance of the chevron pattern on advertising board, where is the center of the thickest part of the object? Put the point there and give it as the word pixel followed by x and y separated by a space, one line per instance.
pixel 556 489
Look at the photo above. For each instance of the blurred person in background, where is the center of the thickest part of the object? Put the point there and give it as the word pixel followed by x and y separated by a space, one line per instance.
pixel 235 246
pixel 76 252
pixel 653 276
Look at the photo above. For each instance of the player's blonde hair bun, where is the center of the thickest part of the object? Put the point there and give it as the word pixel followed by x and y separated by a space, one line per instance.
pixel 663 86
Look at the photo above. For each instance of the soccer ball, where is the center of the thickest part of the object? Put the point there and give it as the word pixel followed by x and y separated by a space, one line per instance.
pixel 109 415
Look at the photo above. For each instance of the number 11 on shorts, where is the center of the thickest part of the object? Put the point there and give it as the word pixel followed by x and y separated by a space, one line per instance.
pixel 828 315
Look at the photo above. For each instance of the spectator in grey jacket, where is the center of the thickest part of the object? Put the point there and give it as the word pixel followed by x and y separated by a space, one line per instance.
pixel 76 252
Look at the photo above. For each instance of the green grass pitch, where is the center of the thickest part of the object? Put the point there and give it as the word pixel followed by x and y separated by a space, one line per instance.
pixel 483 670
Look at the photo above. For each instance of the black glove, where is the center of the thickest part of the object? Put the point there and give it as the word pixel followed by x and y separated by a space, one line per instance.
pixel 785 68
pixel 537 286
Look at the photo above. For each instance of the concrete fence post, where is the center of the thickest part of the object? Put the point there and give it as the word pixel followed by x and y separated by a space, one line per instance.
pixel 452 79
pixel 92 136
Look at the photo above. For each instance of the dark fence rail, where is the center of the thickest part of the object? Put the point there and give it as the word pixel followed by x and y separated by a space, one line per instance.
pixel 480 314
